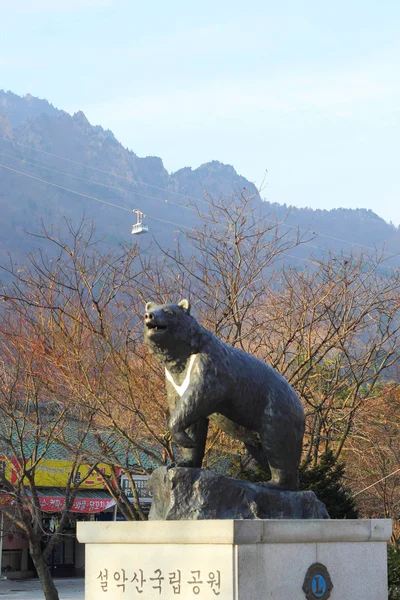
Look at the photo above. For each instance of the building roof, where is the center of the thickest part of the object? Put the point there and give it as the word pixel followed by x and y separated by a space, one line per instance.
pixel 20 437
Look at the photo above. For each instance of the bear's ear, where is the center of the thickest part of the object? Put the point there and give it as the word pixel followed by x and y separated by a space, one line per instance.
pixel 185 304
pixel 149 306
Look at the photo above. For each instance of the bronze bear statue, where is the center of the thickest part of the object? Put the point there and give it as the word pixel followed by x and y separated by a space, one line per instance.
pixel 207 378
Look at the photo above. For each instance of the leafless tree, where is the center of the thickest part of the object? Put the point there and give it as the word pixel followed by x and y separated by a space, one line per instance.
pixel 330 325
pixel 373 458
pixel 84 309
pixel 32 424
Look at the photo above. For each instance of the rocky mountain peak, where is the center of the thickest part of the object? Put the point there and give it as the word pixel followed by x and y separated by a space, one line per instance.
pixel 21 109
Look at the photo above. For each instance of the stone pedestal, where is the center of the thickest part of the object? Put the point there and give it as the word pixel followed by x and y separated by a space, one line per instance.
pixel 187 494
pixel 236 559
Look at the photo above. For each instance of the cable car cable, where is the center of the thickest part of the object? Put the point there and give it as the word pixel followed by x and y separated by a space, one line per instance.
pixel 357 244
pixel 114 205
pixel 112 187
pixel 128 191
pixel 62 187
pixel 76 162
pixel 130 210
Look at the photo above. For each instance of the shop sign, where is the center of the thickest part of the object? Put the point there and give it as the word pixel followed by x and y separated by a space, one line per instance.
pixel 81 505
pixel 55 473
pixel 140 482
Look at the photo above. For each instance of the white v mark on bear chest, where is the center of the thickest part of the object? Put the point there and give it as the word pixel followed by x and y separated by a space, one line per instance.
pixel 181 389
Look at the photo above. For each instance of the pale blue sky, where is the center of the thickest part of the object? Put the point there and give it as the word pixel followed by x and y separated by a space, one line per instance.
pixel 309 90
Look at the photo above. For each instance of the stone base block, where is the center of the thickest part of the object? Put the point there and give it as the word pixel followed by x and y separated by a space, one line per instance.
pixel 236 559
pixel 181 493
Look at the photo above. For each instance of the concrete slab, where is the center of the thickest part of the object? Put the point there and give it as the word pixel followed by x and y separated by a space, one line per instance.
pixel 241 560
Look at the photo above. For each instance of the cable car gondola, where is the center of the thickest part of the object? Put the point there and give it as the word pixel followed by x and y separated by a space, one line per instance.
pixel 139 227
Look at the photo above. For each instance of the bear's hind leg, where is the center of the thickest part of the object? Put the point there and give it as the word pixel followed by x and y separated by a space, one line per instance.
pixel 283 479
pixel 283 450
pixel 193 457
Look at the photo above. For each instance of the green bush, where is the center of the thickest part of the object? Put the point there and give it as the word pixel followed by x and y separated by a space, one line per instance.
pixel 326 480
pixel 394 573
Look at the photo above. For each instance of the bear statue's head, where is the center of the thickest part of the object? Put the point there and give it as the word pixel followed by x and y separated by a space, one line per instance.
pixel 169 330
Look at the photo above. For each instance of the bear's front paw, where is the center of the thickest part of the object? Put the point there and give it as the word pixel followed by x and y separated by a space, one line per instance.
pixel 182 439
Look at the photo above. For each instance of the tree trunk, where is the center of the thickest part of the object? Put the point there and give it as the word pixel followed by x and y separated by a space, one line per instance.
pixel 43 571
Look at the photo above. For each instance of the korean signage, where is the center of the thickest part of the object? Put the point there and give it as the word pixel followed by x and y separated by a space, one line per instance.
pixel 50 504
pixel 178 582
pixel 163 571
pixel 55 473
pixel 140 482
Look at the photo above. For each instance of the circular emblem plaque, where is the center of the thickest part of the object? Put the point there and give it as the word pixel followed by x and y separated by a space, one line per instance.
pixel 317 583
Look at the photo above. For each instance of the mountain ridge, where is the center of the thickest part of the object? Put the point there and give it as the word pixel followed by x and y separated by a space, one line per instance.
pixel 49 144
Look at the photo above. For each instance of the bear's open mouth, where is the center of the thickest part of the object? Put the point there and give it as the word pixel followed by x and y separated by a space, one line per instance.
pixel 155 327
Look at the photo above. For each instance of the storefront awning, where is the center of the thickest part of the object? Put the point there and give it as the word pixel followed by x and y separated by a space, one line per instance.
pixel 52 500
